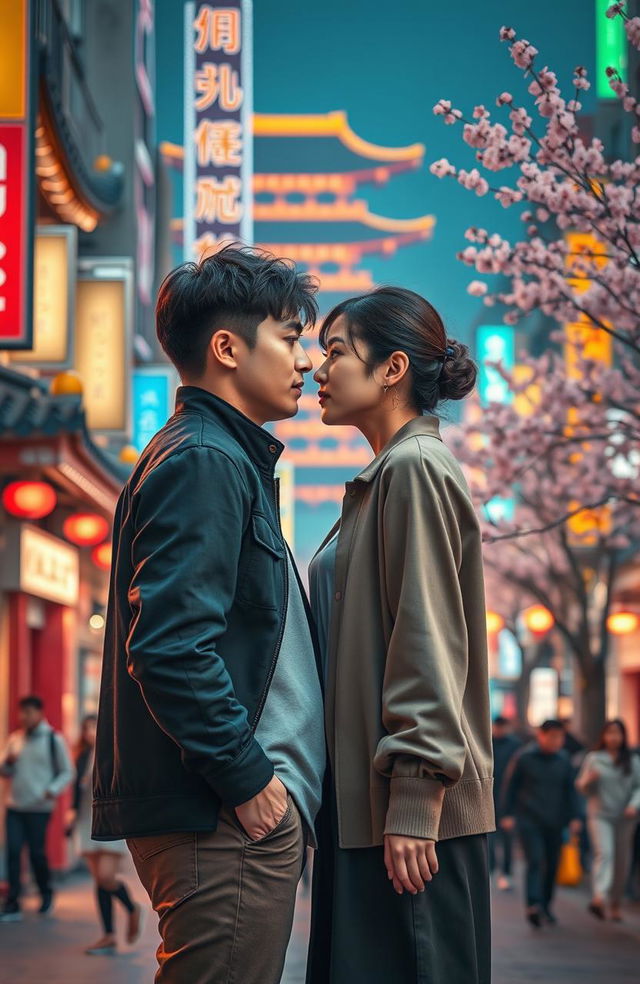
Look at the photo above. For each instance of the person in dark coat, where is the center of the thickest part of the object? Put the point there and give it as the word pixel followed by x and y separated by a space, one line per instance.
pixel 505 746
pixel 540 801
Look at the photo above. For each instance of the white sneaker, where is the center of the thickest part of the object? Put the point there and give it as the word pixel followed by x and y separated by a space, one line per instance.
pixel 11 915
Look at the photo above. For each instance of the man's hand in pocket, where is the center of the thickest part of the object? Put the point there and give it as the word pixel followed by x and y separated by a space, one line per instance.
pixel 262 814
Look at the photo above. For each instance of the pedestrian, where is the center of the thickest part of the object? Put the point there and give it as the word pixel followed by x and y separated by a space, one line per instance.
pixel 541 801
pixel 37 764
pixel 401 882
pixel 210 746
pixel 103 858
pixel 505 745
pixel 610 780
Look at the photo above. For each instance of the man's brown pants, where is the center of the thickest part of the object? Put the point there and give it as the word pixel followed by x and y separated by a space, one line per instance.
pixel 225 902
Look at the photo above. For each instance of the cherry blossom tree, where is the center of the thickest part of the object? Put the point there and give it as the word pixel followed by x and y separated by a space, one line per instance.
pixel 566 448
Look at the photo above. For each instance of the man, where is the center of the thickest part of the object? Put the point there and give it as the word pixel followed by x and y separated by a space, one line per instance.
pixel 210 747
pixel 505 746
pixel 540 799
pixel 37 764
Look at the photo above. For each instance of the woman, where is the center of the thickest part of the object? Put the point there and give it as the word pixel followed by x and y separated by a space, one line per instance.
pixel 610 779
pixel 103 859
pixel 401 887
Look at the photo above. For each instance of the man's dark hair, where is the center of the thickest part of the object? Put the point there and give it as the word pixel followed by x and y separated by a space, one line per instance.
pixel 31 700
pixel 235 288
pixel 551 724
pixel 501 720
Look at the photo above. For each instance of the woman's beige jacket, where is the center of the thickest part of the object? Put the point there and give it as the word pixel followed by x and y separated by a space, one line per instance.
pixel 407 703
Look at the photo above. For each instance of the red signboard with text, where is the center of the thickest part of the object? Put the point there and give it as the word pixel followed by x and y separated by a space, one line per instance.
pixel 16 179
pixel 14 236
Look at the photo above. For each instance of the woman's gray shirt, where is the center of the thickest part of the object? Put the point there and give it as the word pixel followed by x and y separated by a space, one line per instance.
pixel 609 795
pixel 321 590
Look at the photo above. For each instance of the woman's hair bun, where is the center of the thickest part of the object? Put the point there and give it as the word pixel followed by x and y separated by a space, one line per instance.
pixel 459 371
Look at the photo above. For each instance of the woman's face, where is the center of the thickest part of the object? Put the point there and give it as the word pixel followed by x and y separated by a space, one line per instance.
pixel 348 392
pixel 613 738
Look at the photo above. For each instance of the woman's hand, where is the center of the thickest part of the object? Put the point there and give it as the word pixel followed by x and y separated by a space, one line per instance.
pixel 410 862
pixel 70 818
pixel 630 812
pixel 592 776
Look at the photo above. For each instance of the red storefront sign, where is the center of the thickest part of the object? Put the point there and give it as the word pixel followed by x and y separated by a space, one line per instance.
pixel 14 237
pixel 16 174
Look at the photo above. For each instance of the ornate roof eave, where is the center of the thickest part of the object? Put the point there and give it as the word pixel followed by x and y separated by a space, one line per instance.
pixel 78 195
pixel 334 124
pixel 30 415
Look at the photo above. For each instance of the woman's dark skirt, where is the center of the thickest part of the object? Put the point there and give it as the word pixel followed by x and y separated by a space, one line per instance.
pixel 362 932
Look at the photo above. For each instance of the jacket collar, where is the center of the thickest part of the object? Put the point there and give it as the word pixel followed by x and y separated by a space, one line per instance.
pixel 428 426
pixel 261 446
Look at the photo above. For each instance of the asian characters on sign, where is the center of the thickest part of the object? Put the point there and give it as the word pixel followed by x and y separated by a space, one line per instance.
pixel 153 390
pixel 220 126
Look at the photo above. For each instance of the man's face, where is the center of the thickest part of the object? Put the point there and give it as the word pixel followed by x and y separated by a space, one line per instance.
pixel 29 717
pixel 269 377
pixel 500 729
pixel 551 741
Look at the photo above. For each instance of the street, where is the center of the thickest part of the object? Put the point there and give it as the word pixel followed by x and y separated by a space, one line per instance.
pixel 577 951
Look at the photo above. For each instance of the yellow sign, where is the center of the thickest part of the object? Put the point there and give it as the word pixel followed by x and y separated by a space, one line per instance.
pixel 101 356
pixel 584 340
pixel 49 567
pixel 13 59
pixel 286 473
pixel 53 277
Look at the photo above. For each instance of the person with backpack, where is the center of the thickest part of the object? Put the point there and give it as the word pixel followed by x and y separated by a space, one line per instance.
pixel 37 764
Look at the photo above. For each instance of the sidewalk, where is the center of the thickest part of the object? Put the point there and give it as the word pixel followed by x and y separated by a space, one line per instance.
pixel 579 950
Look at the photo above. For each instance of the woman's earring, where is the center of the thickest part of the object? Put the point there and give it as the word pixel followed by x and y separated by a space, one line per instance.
pixel 385 388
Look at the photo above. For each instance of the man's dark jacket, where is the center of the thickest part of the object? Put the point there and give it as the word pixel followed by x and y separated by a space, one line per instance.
pixel 540 788
pixel 196 614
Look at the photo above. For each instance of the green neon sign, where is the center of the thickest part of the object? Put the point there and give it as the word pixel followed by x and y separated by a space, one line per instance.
pixel 611 49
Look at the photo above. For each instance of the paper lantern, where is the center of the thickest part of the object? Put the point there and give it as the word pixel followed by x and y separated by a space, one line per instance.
pixel 538 619
pixel 85 529
pixel 495 623
pixel 66 384
pixel 101 556
pixel 622 623
pixel 29 500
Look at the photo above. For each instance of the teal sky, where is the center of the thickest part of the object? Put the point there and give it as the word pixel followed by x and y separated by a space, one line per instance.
pixel 387 65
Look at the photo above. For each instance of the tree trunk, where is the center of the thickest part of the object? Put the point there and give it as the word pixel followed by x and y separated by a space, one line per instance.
pixel 593 704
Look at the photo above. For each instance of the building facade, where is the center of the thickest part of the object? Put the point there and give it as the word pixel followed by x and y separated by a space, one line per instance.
pixel 82 381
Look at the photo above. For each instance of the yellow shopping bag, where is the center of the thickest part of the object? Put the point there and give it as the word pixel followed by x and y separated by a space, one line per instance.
pixel 569 868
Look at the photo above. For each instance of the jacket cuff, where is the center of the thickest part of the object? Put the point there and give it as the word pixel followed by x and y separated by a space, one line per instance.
pixel 415 806
pixel 243 778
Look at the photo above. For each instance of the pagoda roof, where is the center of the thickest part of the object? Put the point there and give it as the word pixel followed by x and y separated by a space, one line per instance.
pixel 334 124
pixel 29 412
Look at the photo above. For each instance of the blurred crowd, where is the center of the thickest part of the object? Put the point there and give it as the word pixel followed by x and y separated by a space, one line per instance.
pixel 574 811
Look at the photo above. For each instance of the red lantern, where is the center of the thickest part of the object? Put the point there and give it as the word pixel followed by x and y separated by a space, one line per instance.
pixel 101 556
pixel 85 529
pixel 29 500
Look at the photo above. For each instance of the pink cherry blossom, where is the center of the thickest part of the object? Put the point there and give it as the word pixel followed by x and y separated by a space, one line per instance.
pixel 578 446
pixel 477 288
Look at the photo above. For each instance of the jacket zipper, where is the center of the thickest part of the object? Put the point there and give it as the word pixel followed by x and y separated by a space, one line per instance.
pixel 276 653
